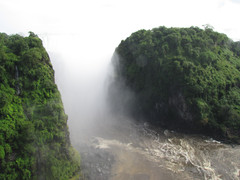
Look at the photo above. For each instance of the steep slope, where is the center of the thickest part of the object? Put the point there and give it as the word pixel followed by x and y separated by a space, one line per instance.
pixel 183 78
pixel 34 137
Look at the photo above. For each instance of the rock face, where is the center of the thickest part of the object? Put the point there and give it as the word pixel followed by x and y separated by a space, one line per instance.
pixel 183 78
pixel 34 137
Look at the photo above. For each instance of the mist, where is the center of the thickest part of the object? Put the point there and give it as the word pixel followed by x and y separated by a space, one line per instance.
pixel 84 84
pixel 97 106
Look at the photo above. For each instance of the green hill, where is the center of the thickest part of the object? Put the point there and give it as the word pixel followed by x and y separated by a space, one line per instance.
pixel 183 78
pixel 34 137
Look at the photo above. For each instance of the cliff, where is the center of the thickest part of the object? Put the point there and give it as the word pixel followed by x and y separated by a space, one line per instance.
pixel 34 137
pixel 183 78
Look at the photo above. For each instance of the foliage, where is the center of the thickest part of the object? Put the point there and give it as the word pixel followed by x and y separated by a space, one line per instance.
pixel 34 138
pixel 186 78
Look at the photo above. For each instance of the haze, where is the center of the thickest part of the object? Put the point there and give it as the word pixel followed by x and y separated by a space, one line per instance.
pixel 80 37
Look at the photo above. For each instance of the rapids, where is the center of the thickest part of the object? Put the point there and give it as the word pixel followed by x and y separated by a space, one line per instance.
pixel 137 151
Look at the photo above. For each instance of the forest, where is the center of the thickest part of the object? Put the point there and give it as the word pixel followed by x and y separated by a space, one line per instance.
pixel 34 136
pixel 185 79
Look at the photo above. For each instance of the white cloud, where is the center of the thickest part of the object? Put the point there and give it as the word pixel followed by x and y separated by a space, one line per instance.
pixel 115 18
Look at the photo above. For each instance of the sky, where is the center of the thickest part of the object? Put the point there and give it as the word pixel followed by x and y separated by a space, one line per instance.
pixel 81 35
pixel 94 28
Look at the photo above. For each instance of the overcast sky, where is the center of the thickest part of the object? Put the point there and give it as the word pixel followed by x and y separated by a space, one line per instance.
pixel 93 28
pixel 100 25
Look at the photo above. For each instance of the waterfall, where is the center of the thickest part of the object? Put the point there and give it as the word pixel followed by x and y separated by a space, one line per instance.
pixel 17 77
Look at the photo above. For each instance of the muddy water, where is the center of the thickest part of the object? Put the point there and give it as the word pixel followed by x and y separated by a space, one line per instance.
pixel 136 151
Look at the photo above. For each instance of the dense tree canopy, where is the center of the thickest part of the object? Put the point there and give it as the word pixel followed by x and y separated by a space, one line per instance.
pixel 34 138
pixel 184 78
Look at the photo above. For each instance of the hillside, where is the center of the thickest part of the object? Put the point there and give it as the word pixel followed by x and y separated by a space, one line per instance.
pixel 34 137
pixel 187 79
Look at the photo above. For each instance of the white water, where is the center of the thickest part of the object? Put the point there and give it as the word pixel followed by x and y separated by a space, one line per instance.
pixel 140 151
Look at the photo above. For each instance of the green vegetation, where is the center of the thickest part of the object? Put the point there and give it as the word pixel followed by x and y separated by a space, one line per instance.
pixel 184 78
pixel 34 137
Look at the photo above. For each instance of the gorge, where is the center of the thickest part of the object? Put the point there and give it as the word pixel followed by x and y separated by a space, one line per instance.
pixel 165 107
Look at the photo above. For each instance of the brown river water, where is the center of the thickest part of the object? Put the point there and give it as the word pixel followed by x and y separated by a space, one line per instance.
pixel 126 150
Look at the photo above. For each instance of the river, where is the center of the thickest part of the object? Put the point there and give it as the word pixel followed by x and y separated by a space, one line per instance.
pixel 124 149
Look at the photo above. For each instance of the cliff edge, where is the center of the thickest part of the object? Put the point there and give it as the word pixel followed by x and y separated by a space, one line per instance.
pixel 34 137
pixel 183 78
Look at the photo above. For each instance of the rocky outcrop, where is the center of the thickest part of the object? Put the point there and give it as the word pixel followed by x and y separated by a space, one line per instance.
pixel 178 103
pixel 185 78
